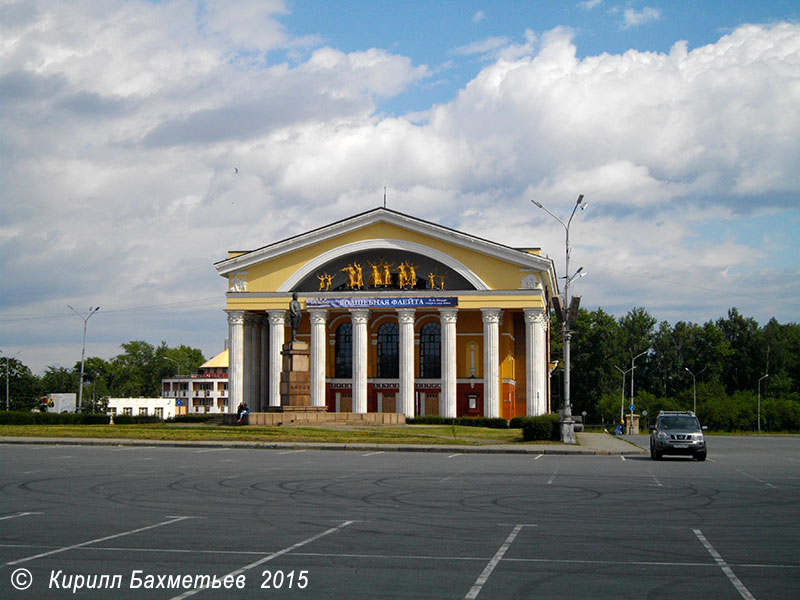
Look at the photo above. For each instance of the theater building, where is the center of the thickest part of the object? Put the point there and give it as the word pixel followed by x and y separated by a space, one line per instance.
pixel 401 315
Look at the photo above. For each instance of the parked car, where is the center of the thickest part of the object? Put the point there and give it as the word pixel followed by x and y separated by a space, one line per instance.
pixel 677 432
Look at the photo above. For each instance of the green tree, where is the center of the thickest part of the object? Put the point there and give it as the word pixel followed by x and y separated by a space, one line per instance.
pixel 594 348
pixel 59 380
pixel 23 387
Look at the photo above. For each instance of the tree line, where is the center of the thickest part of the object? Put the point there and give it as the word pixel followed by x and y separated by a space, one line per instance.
pixel 734 362
pixel 136 371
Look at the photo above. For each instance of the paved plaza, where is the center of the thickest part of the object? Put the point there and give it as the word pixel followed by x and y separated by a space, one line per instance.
pixel 165 522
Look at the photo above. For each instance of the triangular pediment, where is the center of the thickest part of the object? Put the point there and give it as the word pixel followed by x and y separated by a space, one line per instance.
pixel 378 242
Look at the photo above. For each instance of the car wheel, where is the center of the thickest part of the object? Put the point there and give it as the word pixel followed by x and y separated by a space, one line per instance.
pixel 701 456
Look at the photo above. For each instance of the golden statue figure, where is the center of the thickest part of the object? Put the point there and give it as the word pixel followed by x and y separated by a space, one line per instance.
pixel 387 274
pixel 412 275
pixel 325 281
pixel 375 278
pixel 359 276
pixel 351 275
pixel 401 275
pixel 432 280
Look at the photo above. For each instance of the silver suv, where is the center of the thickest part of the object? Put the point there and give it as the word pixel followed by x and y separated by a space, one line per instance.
pixel 677 432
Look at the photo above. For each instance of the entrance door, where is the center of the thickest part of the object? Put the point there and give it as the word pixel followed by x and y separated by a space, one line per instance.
pixel 389 403
pixel 346 403
pixel 432 404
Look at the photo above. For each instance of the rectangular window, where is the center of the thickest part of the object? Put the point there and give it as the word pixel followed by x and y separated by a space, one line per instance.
pixel 127 410
pixel 159 412
pixel 143 411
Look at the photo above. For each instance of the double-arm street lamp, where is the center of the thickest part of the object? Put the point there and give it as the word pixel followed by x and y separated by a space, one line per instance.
pixel 567 424
pixel 622 400
pixel 83 351
pixel 694 385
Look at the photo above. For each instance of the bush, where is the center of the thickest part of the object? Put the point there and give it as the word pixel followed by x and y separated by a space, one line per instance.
pixel 135 419
pixel 44 418
pixel 202 418
pixel 494 423
pixel 540 428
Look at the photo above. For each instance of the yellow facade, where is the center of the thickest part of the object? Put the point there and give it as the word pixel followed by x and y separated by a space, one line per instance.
pixel 470 288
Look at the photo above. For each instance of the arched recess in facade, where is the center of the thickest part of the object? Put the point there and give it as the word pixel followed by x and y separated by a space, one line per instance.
pixel 310 269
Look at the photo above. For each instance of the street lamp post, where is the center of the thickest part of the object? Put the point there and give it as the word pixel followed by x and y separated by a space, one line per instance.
pixel 83 351
pixel 567 424
pixel 694 385
pixel 759 400
pixel 622 395
pixel 633 360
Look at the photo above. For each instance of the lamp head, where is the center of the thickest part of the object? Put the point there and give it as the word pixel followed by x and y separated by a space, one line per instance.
pixel 539 204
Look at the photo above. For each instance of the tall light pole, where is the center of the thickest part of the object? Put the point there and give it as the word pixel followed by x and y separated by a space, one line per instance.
pixel 7 359
pixel 622 401
pixel 694 385
pixel 759 400
pixel 633 360
pixel 83 351
pixel 567 424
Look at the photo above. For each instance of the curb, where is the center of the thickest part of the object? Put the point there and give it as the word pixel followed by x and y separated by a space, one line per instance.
pixel 577 451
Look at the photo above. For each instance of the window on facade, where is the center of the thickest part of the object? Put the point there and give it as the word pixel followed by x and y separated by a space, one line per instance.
pixel 127 410
pixel 344 351
pixel 430 351
pixel 143 410
pixel 159 412
pixel 388 351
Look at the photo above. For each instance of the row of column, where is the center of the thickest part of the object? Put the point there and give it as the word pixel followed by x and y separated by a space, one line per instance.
pixel 254 374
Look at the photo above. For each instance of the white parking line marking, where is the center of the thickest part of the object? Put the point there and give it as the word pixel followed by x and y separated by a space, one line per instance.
pixel 484 576
pixel 210 450
pixel 453 455
pixel 22 514
pixel 373 453
pixel 658 483
pixel 622 457
pixel 756 478
pixel 102 539
pixel 743 591
pixel 538 456
pixel 291 451
pixel 549 481
pixel 269 557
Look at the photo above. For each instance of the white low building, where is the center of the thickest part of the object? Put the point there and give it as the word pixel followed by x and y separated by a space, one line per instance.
pixel 163 408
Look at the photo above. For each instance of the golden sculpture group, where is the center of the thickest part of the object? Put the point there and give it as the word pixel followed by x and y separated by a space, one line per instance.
pixel 380 276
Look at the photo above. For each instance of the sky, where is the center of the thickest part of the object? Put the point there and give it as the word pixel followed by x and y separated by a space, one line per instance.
pixel 142 140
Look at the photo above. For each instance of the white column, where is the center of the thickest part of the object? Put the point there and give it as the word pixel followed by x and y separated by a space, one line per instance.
pixel 277 320
pixel 491 362
pixel 447 399
pixel 264 370
pixel 235 358
pixel 359 318
pixel 535 362
pixel 318 339
pixel 406 397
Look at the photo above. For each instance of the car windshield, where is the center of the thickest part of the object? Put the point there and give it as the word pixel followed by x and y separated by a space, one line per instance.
pixel 685 423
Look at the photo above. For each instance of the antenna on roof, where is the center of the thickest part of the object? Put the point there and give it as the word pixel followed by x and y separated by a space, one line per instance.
pixel 384 196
